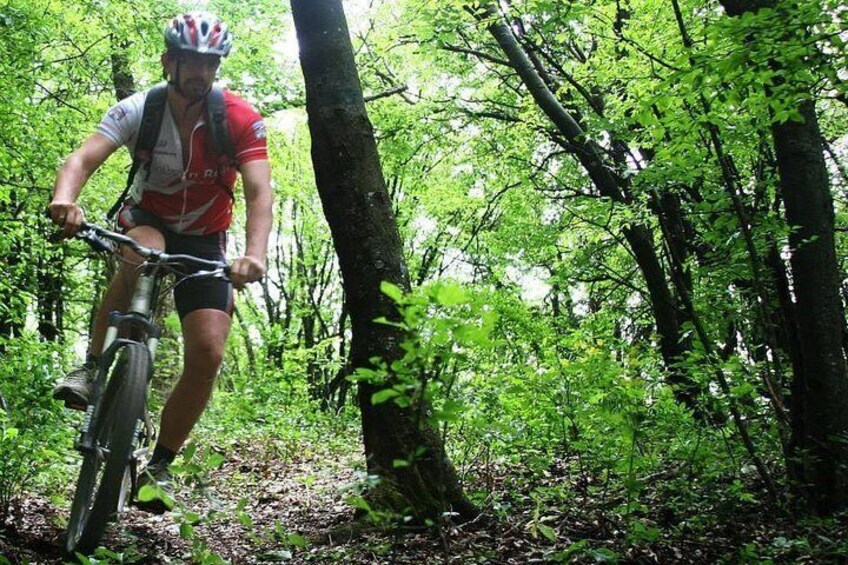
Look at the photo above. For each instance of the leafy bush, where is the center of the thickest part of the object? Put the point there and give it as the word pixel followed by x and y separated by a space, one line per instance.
pixel 445 328
pixel 32 431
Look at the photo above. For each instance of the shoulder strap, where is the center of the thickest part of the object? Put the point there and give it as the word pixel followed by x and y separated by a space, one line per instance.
pixel 148 134
pixel 222 143
pixel 219 130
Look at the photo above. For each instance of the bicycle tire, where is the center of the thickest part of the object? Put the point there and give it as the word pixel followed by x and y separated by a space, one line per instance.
pixel 102 475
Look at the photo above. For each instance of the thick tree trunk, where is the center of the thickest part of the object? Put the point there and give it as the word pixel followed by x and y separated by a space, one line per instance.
pixel 667 316
pixel 358 210
pixel 815 272
pixel 820 390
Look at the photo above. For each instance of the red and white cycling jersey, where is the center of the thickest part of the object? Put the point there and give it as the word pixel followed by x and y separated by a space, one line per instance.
pixel 188 197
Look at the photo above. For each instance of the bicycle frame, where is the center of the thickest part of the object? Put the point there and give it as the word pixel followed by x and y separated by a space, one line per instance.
pixel 134 326
pixel 137 323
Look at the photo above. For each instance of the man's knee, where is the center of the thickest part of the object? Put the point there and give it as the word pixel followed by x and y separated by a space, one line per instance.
pixel 205 334
pixel 146 236
pixel 205 355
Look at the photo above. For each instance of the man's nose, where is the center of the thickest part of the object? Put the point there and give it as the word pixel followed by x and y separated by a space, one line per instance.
pixel 201 72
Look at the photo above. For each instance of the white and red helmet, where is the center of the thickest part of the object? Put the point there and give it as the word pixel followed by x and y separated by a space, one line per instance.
pixel 200 32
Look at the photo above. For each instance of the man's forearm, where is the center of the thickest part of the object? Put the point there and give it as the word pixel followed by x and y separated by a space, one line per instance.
pixel 70 179
pixel 259 198
pixel 259 219
pixel 80 166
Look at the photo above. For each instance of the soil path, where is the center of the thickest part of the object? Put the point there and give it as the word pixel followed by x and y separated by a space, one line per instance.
pixel 253 510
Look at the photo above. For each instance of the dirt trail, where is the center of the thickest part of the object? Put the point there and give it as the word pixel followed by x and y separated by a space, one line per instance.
pixel 254 510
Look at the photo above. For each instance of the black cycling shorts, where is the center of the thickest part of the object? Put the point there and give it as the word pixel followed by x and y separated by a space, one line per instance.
pixel 193 294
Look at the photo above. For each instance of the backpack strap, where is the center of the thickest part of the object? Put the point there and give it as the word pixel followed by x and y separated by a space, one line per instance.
pixel 219 134
pixel 148 134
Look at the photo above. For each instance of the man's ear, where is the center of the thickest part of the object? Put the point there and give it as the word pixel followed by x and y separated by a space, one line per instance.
pixel 165 59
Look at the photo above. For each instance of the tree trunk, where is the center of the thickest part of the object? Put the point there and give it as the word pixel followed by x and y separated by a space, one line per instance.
pixel 122 78
pixel 820 415
pixel 824 385
pixel 50 298
pixel 358 210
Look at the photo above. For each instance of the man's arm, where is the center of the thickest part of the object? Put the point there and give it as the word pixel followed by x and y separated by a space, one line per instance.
pixel 72 176
pixel 256 178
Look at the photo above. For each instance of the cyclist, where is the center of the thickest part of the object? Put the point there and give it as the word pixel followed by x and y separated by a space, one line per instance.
pixel 183 204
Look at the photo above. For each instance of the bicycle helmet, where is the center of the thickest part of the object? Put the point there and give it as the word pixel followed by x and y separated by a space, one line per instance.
pixel 200 32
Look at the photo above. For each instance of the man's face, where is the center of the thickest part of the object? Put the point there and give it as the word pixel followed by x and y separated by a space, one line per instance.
pixel 197 72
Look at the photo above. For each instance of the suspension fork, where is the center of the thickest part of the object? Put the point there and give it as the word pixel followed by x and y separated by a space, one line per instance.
pixel 140 312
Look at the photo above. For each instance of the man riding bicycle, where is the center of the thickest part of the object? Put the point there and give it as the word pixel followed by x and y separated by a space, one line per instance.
pixel 182 204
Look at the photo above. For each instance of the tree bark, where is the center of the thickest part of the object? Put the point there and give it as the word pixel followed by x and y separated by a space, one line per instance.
pixel 50 298
pixel 824 385
pixel 358 210
pixel 820 391
pixel 122 78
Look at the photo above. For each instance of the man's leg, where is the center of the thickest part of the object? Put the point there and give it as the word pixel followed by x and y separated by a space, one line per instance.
pixel 204 307
pixel 119 293
pixel 74 389
pixel 205 334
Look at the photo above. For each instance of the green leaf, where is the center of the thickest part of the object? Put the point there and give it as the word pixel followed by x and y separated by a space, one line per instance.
pixel 189 451
pixel 547 531
pixel 153 492
pixel 392 291
pixel 450 294
pixel 603 555
pixel 186 531
pixel 108 554
pixel 384 395
pixel 215 460
pixel 245 519
pixel 398 463
pixel 148 493
pixel 359 502
pixel 297 540
pixel 386 322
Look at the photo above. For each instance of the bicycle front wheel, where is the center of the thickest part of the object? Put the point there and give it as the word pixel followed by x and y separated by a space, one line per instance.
pixel 102 479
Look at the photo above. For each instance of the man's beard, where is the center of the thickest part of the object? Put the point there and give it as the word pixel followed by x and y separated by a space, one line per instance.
pixel 194 89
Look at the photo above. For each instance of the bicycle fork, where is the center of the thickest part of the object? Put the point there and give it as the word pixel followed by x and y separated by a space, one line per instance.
pixel 137 322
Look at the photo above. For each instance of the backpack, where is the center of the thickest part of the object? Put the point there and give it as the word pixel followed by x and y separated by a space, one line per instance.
pixel 148 134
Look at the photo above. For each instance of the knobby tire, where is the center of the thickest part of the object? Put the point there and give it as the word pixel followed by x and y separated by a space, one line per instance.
pixel 113 426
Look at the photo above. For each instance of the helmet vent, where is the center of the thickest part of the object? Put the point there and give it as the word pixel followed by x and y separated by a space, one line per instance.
pixel 200 32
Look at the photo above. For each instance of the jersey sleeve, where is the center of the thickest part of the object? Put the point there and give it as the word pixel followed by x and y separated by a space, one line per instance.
pixel 249 137
pixel 121 122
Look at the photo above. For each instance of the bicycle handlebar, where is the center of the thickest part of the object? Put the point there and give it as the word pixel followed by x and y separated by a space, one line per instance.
pixel 95 236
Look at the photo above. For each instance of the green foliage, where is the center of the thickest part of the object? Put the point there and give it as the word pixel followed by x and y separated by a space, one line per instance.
pixel 32 436
pixel 104 556
pixel 444 331
pixel 529 336
pixel 15 474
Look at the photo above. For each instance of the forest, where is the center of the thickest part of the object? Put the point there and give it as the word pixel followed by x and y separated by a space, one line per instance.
pixel 549 281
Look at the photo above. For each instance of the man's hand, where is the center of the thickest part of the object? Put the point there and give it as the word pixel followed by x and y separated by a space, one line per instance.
pixel 246 270
pixel 67 215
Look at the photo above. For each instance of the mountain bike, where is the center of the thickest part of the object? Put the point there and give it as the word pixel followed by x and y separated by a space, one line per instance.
pixel 117 431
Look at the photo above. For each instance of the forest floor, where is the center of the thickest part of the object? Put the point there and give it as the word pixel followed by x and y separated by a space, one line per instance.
pixel 260 507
